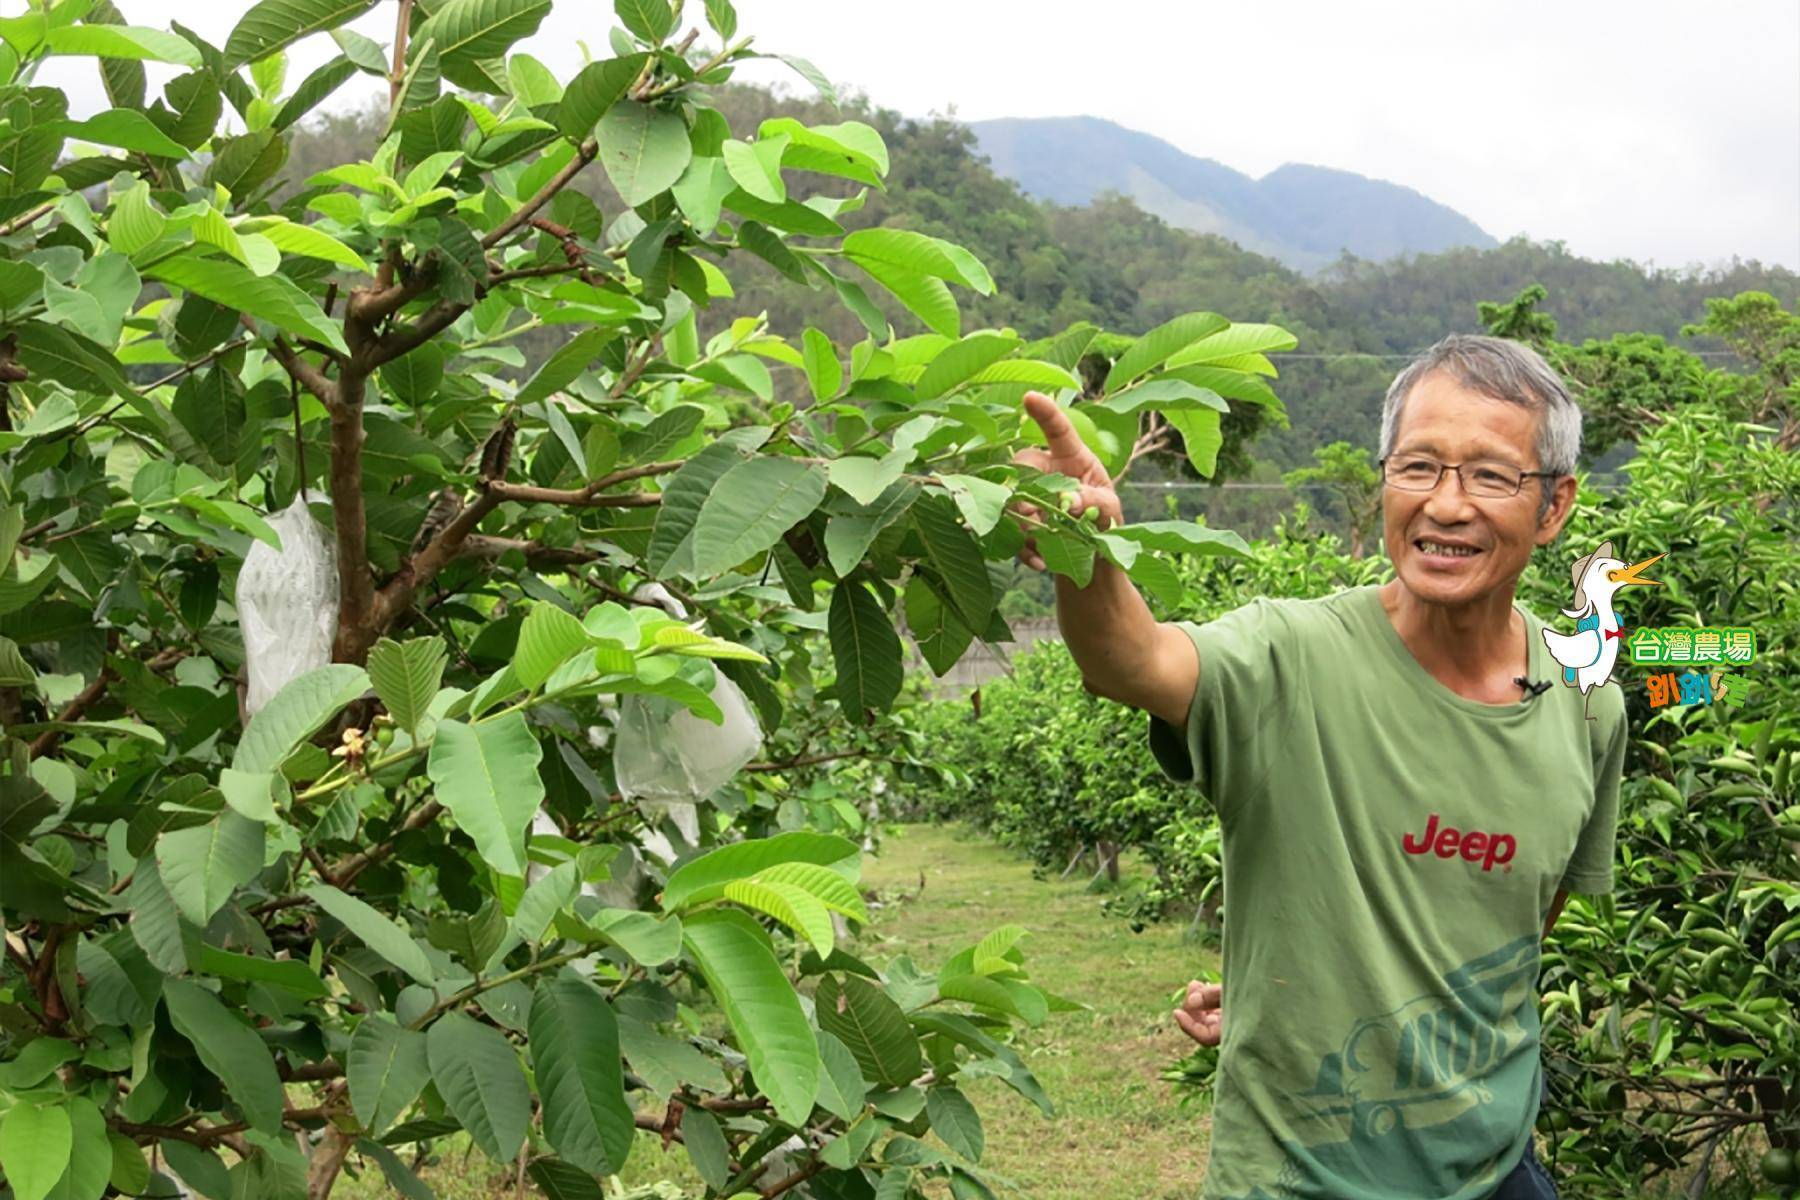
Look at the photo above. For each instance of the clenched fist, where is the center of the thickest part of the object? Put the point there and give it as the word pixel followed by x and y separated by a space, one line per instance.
pixel 1200 1015
pixel 1064 453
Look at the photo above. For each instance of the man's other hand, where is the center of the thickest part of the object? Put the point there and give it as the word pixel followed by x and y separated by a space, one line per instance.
pixel 1200 1015
pixel 1064 453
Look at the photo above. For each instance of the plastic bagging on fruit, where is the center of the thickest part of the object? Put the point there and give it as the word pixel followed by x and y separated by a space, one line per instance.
pixel 287 602
pixel 664 754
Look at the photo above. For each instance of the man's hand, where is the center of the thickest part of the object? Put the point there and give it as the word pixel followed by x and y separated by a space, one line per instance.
pixel 1200 1015
pixel 1064 453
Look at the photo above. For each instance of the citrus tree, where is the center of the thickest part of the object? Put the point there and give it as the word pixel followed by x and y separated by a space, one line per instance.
pixel 324 615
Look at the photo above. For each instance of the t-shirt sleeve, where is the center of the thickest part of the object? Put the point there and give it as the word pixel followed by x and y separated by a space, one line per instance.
pixel 1591 866
pixel 1247 672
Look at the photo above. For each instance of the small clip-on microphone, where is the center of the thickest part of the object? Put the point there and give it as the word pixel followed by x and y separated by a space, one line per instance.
pixel 1532 690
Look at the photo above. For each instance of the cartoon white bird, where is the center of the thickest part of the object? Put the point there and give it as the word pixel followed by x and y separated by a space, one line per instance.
pixel 1587 655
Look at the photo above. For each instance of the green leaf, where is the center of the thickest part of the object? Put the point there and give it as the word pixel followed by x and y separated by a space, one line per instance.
pixel 956 560
pixel 296 712
pixel 377 932
pixel 1151 350
pixel 566 365
pixel 734 957
pixel 1183 537
pixel 467 33
pixel 757 167
pixel 672 538
pixel 486 775
pixel 830 887
pixel 313 91
pixel 941 638
pixel 35 1141
pixel 203 865
pixel 547 639
pixel 273 298
pixel 752 505
pixel 926 297
pixel 962 361
pixel 135 223
pixel 1066 554
pixel 980 502
pixel 125 129
pixel 867 1020
pixel 250 794
pixel 865 479
pixel 998 995
pixel 407 676
pixel 866 650
pixel 593 91
pixel 90 1154
pixel 230 1050
pixel 848 536
pixel 955 1120
pixel 272 25
pixel 287 974
pixel 1167 395
pixel 790 904
pixel 478 1075
pixel 123 41
pixel 824 374
pixel 704 878
pixel 1201 437
pixel 650 20
pixel 292 238
pixel 1238 339
pixel 387 1068
pixel 903 250
pixel 644 150
pixel 415 376
pixel 575 1050
pixel 706 1146
pixel 14 670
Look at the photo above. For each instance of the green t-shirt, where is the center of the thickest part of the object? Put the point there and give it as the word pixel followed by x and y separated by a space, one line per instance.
pixel 1391 850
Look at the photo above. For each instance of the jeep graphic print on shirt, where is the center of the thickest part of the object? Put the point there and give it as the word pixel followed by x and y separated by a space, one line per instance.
pixel 1390 851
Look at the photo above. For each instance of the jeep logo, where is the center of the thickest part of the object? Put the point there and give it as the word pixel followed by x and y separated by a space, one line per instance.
pixel 1487 849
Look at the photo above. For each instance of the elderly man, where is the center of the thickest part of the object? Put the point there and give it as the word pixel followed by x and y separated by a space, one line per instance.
pixel 1403 811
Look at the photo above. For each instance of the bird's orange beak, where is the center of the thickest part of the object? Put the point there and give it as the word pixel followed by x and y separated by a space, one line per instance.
pixel 1626 575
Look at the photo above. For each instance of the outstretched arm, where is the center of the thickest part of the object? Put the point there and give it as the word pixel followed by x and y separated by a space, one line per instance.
pixel 1124 653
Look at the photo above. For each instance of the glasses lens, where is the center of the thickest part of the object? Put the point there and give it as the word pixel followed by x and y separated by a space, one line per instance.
pixel 1412 473
pixel 1493 480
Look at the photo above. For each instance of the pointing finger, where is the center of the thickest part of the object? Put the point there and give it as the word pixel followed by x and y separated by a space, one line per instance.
pixel 1059 433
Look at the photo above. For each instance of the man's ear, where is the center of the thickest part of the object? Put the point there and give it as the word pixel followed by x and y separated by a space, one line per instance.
pixel 1562 503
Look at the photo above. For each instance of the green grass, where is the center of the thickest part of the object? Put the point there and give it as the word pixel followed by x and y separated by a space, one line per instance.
pixel 1117 1132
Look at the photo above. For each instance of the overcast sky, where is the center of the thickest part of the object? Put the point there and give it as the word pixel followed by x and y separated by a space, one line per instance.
pixel 1664 132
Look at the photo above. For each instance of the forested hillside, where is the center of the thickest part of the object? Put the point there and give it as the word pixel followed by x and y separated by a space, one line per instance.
pixel 1111 263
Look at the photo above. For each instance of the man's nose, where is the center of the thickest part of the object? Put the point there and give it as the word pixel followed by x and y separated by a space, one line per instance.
pixel 1449 499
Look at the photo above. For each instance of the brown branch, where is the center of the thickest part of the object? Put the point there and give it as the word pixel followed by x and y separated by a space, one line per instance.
pixel 579 498
pixel 536 553
pixel 26 218
pixel 356 589
pixel 793 1181
pixel 538 272
pixel 816 759
pixel 584 154
pixel 397 342
pixel 348 869
pixel 46 741
pixel 301 371
pixel 397 77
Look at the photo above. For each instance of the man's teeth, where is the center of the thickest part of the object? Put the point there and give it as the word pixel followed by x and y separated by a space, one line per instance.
pixel 1440 548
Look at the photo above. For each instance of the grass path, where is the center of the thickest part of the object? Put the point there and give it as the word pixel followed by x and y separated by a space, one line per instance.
pixel 1118 1132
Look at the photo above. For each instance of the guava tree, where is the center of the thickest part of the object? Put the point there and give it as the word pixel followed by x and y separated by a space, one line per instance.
pixel 259 926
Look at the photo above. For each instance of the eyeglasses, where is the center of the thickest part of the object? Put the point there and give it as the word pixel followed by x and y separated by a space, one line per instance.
pixel 1486 479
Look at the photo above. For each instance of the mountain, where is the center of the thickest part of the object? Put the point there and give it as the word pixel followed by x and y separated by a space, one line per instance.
pixel 1305 216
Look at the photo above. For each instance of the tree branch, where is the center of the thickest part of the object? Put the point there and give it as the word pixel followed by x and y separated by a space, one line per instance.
pixel 577 498
pixel 584 154
pixel 536 553
pixel 46 741
pixel 302 372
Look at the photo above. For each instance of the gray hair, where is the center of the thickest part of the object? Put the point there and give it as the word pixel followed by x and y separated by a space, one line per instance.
pixel 1505 370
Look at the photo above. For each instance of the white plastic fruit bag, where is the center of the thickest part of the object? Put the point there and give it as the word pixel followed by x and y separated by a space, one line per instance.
pixel 287 602
pixel 664 754
pixel 667 755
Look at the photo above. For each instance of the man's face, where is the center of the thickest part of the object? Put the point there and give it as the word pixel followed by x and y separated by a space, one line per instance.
pixel 1444 420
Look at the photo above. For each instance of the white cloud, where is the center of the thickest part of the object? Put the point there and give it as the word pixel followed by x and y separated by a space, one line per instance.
pixel 1644 129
